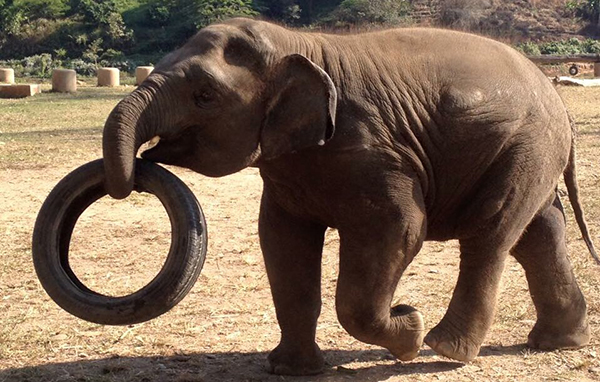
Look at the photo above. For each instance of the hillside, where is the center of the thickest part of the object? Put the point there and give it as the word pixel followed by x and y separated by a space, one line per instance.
pixel 515 21
pixel 85 34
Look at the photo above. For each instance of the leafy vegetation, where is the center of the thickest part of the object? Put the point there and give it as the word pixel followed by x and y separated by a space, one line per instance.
pixel 353 12
pixel 32 27
pixel 589 9
pixel 571 46
pixel 38 35
pixel 136 27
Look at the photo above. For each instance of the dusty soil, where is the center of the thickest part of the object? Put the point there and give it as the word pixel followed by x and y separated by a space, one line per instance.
pixel 224 329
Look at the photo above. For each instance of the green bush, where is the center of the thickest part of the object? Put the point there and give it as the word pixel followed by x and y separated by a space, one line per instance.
pixel 40 65
pixel 84 68
pixel 591 46
pixel 42 9
pixel 530 49
pixel 561 48
pixel 571 46
pixel 159 13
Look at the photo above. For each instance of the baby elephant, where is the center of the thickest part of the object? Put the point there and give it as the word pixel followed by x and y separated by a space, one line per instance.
pixel 393 138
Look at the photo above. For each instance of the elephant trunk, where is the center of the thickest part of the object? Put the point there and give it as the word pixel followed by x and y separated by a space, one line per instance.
pixel 134 121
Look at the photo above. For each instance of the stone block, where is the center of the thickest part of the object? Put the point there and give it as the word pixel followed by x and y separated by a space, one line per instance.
pixel 19 90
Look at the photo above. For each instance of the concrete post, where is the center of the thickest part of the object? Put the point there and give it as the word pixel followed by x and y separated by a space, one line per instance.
pixel 64 81
pixel 108 77
pixel 141 72
pixel 7 75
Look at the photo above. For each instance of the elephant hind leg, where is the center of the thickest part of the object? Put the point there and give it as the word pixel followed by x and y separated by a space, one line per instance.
pixel 491 223
pixel 560 305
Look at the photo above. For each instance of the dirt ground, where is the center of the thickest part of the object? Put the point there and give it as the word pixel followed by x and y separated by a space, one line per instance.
pixel 224 329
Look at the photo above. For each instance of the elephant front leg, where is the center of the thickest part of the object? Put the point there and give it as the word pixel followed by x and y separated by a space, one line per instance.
pixel 372 260
pixel 292 249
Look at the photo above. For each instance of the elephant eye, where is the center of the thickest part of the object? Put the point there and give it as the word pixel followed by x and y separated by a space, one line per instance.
pixel 202 98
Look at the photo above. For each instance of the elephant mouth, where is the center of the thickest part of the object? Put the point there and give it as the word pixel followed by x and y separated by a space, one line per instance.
pixel 152 142
pixel 170 150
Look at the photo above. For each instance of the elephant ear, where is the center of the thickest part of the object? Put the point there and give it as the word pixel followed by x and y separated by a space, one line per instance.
pixel 300 108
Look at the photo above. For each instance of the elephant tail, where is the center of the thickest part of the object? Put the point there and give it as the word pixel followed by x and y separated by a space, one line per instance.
pixel 570 176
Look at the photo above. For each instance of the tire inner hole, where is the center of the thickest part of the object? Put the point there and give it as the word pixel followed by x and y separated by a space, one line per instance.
pixel 119 246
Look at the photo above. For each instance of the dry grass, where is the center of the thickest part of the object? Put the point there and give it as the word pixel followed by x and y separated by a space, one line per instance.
pixel 223 330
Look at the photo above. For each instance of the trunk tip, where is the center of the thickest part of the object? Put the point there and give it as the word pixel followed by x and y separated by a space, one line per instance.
pixel 119 194
pixel 119 190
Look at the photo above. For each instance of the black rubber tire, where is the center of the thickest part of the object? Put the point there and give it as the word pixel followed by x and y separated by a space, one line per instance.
pixel 573 70
pixel 54 227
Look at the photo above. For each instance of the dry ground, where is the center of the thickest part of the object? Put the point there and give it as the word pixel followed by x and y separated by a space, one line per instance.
pixel 223 330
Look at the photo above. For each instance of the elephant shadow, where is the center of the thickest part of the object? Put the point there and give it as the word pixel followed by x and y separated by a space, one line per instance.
pixel 236 366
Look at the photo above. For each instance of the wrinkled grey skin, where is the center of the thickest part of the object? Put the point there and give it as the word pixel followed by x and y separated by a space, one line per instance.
pixel 393 138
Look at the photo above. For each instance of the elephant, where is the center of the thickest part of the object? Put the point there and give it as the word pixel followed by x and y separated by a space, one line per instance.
pixel 393 138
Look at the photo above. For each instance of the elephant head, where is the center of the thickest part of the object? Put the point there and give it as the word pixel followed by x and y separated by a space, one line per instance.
pixel 226 100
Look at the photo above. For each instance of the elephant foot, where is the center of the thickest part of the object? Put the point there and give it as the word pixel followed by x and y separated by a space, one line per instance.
pixel 451 345
pixel 550 340
pixel 285 361
pixel 412 335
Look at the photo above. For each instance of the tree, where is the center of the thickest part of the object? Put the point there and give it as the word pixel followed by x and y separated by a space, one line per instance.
pixel 313 10
pixel 11 18
pixel 159 12
pixel 287 11
pixel 588 9
pixel 369 12
pixel 191 15
pixel 209 11
pixel 42 9
pixel 93 51
pixel 97 11
pixel 463 14
pixel 108 24
pixel 594 8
